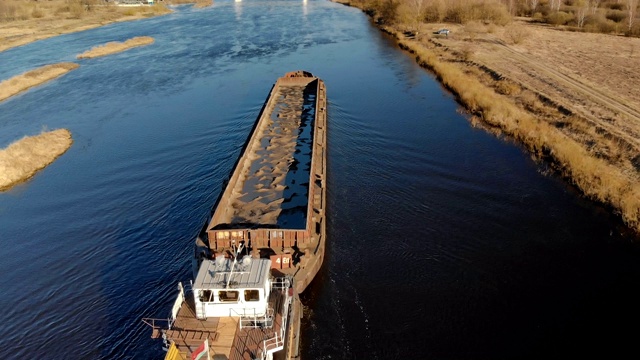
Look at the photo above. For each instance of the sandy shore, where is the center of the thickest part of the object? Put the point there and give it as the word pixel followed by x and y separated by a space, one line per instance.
pixel 23 158
pixel 116 47
pixel 22 82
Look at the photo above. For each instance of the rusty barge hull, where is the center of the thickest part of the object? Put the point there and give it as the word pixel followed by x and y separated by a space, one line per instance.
pixel 275 200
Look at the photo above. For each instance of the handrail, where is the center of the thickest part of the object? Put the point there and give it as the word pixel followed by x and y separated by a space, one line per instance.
pixel 281 283
pixel 276 342
pixel 152 322
pixel 251 320
pixel 177 304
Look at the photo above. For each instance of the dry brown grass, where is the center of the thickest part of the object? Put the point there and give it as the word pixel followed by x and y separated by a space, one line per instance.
pixel 22 22
pixel 116 47
pixel 516 33
pixel 23 158
pixel 22 82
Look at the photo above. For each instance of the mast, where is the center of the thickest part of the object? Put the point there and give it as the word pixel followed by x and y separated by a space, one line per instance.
pixel 233 265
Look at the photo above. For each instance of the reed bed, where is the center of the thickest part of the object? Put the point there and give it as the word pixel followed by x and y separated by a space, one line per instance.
pixel 22 82
pixel 116 47
pixel 23 158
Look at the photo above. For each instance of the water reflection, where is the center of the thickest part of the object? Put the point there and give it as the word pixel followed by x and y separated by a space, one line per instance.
pixel 237 6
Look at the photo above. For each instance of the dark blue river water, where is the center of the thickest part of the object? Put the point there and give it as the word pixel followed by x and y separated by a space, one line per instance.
pixel 445 242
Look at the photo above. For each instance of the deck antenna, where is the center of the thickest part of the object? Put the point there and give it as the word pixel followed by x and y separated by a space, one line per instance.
pixel 233 265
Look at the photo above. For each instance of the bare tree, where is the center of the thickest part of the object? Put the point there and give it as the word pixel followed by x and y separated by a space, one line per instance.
pixel 594 6
pixel 533 4
pixel 581 13
pixel 555 4
pixel 418 8
pixel 412 12
pixel 632 7
pixel 511 6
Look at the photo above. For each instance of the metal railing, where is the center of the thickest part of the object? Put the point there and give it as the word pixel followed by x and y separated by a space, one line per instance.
pixel 276 343
pixel 177 304
pixel 273 344
pixel 281 283
pixel 159 324
pixel 249 318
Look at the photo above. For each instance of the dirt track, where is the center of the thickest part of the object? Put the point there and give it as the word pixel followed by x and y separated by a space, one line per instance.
pixel 591 78
pixel 582 95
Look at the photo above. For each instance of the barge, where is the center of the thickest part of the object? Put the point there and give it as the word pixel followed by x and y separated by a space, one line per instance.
pixel 265 240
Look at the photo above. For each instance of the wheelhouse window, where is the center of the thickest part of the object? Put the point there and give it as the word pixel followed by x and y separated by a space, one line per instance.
pixel 228 296
pixel 251 295
pixel 206 296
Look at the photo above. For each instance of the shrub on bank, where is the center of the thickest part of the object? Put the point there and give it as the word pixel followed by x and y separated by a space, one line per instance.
pixel 19 10
pixel 462 12
pixel 608 17
pixel 516 33
pixel 559 18
pixel 10 11
pixel 616 15
pixel 599 24
pixel 616 5
pixel 455 11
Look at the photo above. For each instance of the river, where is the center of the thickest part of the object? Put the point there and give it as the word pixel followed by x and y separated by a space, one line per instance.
pixel 445 242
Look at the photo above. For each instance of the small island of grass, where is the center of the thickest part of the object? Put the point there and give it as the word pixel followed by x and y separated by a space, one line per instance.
pixel 203 4
pixel 22 82
pixel 116 47
pixel 23 158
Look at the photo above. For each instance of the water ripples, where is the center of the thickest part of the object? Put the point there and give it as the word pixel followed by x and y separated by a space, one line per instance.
pixel 444 241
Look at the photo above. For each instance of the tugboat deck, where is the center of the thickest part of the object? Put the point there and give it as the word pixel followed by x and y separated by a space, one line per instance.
pixel 224 334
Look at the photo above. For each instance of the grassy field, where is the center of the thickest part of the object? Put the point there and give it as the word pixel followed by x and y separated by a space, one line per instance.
pixel 116 47
pixel 570 97
pixel 22 82
pixel 23 158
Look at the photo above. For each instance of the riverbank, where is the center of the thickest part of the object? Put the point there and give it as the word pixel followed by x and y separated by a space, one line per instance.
pixel 25 157
pixel 515 81
pixel 25 22
pixel 29 79
pixel 116 47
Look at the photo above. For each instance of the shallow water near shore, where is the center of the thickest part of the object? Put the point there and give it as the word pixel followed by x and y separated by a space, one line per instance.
pixel 444 241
